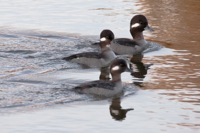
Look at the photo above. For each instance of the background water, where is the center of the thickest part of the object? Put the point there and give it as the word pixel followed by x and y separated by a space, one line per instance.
pixel 35 83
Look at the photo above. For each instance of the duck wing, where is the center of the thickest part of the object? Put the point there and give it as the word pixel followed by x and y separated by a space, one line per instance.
pixel 125 42
pixel 83 55
pixel 101 84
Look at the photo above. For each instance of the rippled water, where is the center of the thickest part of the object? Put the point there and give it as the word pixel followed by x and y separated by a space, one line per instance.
pixel 35 83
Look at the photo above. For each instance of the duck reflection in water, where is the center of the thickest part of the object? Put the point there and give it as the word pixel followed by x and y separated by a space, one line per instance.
pixel 116 110
pixel 138 69
pixel 104 73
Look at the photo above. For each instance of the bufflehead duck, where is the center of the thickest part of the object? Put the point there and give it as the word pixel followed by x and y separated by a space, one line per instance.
pixel 96 59
pixel 137 45
pixel 104 87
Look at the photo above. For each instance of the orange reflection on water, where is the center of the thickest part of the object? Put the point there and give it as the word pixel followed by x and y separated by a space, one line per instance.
pixel 176 25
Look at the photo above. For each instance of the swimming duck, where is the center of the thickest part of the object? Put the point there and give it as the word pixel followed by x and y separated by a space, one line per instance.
pixel 137 45
pixel 104 87
pixel 96 59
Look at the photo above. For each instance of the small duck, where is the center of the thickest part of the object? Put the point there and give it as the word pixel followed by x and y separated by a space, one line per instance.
pixel 125 46
pixel 104 87
pixel 96 59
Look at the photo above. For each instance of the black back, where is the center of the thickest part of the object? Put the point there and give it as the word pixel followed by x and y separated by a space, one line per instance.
pixel 85 54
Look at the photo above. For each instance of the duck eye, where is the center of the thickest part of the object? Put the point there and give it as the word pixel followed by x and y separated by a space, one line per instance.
pixel 122 65
pixel 141 22
pixel 107 37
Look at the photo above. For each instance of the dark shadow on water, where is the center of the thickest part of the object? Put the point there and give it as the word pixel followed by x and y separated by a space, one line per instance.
pixel 138 69
pixel 116 110
pixel 139 72
pixel 104 73
pixel 8 36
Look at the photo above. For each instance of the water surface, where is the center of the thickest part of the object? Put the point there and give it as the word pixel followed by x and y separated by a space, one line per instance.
pixel 35 83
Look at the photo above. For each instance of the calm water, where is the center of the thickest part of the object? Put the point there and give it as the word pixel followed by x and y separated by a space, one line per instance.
pixel 35 84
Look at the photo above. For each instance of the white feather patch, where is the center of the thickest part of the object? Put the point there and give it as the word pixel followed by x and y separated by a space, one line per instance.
pixel 116 112
pixel 115 68
pixel 135 25
pixel 103 39
pixel 108 46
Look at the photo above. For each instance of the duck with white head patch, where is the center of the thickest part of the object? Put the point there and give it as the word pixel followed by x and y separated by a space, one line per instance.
pixel 137 45
pixel 96 59
pixel 106 88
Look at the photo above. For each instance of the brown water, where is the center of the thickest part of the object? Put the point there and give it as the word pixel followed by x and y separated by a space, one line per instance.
pixel 177 28
pixel 35 84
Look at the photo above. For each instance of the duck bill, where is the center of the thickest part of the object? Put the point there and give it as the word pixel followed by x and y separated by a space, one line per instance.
pixel 129 109
pixel 148 28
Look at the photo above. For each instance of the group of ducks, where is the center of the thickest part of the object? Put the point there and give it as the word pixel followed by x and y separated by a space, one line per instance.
pixel 108 58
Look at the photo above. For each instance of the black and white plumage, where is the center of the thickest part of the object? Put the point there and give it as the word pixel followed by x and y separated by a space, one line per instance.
pixel 138 44
pixel 104 87
pixel 96 59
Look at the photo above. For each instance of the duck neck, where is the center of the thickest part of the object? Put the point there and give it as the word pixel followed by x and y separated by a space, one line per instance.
pixel 104 45
pixel 137 35
pixel 105 48
pixel 116 77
